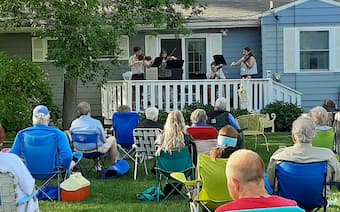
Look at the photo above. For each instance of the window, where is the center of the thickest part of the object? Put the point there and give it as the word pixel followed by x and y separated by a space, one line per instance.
pixel 196 55
pixel 314 50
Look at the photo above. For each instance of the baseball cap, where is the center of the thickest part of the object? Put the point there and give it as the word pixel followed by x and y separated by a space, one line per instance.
pixel 41 109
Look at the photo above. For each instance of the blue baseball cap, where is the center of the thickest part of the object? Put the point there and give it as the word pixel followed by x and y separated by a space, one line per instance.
pixel 41 109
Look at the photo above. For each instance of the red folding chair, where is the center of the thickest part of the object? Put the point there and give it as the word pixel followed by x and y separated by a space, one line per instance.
pixel 203 133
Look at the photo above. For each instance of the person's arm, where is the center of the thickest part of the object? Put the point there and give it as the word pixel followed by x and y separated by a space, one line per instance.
pixel 271 171
pixel 24 177
pixel 250 62
pixel 102 134
pixel 233 122
pixel 238 63
pixel 132 62
pixel 65 152
pixel 16 147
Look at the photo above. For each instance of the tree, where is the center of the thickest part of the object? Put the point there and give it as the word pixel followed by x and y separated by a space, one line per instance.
pixel 84 30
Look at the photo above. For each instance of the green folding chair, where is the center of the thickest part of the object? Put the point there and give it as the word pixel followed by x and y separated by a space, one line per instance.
pixel 175 161
pixel 210 188
pixel 325 138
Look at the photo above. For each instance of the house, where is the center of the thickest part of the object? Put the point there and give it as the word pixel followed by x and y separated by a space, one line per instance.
pixel 226 27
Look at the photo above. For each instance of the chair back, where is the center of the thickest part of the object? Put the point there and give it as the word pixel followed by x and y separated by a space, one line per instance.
pixel 40 153
pixel 304 183
pixel 324 138
pixel 219 121
pixel 252 122
pixel 202 133
pixel 145 140
pixel 8 193
pixel 82 142
pixel 123 124
pixel 175 161
pixel 212 173
pixel 279 209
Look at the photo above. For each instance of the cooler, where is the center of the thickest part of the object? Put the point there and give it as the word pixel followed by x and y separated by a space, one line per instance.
pixel 76 188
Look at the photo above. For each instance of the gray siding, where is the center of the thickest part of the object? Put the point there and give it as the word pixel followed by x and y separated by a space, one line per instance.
pixel 314 86
pixel 233 43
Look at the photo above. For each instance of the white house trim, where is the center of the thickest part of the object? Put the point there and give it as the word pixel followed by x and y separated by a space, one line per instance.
pixel 213 46
pixel 295 3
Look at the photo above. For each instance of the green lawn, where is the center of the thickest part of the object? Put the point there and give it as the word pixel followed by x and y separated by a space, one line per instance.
pixel 120 194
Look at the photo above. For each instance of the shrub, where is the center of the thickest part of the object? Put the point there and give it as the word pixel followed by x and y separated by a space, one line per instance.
pixel 286 113
pixel 239 112
pixel 15 112
pixel 190 108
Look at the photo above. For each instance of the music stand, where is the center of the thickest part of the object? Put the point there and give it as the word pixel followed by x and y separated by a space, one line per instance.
pixel 157 62
pixel 219 59
pixel 174 64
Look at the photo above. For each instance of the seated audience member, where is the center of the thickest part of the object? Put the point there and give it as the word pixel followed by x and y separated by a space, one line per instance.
pixel 221 117
pixel 151 121
pixel 245 177
pixel 85 124
pixel 329 105
pixel 41 119
pixel 199 118
pixel 174 137
pixel 124 108
pixel 303 133
pixel 226 143
pixel 320 118
pixel 26 185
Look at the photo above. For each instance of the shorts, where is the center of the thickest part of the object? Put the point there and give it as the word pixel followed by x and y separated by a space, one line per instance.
pixel 110 142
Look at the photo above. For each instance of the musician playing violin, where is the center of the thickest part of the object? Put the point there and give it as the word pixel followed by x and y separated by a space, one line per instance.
pixel 247 63
pixel 138 63
pixel 163 73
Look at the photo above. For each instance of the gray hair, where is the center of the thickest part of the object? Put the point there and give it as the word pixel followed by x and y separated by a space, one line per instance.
pixel 303 129
pixel 198 116
pixel 151 113
pixel 124 108
pixel 83 108
pixel 221 104
pixel 319 115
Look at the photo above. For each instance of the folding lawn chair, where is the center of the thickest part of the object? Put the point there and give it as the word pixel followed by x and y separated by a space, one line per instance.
pixel 325 138
pixel 205 138
pixel 8 193
pixel 253 125
pixel 144 146
pixel 303 182
pixel 211 184
pixel 175 161
pixel 123 124
pixel 280 209
pixel 81 142
pixel 40 154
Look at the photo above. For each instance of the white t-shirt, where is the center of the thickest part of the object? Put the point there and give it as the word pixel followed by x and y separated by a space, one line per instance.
pixel 12 163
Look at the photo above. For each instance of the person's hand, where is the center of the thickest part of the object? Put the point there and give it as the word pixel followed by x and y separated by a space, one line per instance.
pixel 232 64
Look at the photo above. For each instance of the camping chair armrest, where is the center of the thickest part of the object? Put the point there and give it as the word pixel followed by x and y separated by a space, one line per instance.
pixel 27 198
pixel 179 176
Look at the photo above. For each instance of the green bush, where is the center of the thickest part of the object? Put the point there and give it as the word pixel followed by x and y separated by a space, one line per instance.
pixel 23 85
pixel 286 113
pixel 190 108
pixel 15 113
pixel 239 112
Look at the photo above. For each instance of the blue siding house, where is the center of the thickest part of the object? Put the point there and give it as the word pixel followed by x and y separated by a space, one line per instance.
pixel 301 44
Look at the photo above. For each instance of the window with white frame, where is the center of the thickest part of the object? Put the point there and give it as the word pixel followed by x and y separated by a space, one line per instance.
pixel 196 55
pixel 311 49
pixel 40 49
pixel 314 50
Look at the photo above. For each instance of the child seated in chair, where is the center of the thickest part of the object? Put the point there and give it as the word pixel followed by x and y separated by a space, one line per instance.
pixel 227 143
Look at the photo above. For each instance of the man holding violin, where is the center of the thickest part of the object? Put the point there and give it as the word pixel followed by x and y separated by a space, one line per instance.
pixel 138 62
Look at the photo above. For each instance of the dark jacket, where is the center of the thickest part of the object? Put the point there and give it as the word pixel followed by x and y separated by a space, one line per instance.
pixel 150 124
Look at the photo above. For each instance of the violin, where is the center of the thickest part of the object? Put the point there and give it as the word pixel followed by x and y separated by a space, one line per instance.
pixel 143 57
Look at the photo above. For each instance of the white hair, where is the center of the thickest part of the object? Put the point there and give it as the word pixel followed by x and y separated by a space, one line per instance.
pixel 221 104
pixel 198 116
pixel 319 115
pixel 304 129
pixel 151 113
pixel 41 119
pixel 83 108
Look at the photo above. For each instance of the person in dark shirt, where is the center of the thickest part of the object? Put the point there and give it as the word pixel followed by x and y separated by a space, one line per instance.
pixel 151 120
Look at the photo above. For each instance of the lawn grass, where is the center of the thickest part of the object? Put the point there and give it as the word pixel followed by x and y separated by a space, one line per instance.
pixel 120 194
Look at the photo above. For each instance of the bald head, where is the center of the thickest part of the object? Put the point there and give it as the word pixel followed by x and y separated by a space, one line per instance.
pixel 245 166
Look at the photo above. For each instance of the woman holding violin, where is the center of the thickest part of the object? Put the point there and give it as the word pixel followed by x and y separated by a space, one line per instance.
pixel 247 63
pixel 163 72
pixel 138 62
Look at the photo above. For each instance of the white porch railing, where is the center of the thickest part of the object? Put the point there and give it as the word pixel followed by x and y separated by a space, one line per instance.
pixel 175 95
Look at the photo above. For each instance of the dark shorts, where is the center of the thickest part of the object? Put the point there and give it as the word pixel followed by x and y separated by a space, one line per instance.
pixel 137 77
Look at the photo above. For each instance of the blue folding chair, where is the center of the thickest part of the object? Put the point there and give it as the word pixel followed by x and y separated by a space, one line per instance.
pixel 40 154
pixel 303 182
pixel 87 144
pixel 123 124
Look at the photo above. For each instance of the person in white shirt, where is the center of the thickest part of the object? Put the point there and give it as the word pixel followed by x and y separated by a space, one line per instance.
pixel 26 185
pixel 138 62
pixel 215 72
pixel 248 64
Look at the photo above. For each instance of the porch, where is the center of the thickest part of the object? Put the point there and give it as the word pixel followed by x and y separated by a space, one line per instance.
pixel 175 95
